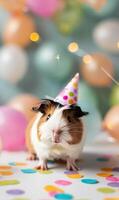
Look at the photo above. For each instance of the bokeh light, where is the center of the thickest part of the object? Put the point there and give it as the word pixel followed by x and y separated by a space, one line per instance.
pixel 35 37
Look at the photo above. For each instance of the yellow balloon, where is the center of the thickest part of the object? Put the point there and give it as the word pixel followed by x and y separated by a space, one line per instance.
pixel 18 30
pixel 24 104
pixel 13 5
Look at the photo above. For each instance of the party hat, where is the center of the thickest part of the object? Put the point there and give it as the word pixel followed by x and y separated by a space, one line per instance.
pixel 68 96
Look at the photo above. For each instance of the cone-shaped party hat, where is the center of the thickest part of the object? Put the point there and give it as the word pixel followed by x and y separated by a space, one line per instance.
pixel 68 96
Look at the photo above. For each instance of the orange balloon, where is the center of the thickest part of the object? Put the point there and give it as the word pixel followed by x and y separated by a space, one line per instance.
pixel 18 30
pixel 111 122
pixel 13 5
pixel 24 103
pixel 96 69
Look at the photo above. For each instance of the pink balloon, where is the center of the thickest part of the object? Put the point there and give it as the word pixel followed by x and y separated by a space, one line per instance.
pixel 12 129
pixel 44 8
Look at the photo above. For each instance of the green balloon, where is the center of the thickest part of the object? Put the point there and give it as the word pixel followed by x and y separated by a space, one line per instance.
pixel 114 97
pixel 55 62
pixel 69 18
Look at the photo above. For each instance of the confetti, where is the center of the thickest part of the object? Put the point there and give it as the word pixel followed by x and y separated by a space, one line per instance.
pixel 102 159
pixel 63 182
pixel 63 196
pixel 104 174
pixel 112 198
pixel 9 182
pixel 107 169
pixel 75 175
pixel 116 169
pixel 112 178
pixel 45 171
pixel 106 190
pixel 89 181
pixel 15 192
pixel 6 173
pixel 28 171
pixel 51 188
pixel 5 167
pixel 114 184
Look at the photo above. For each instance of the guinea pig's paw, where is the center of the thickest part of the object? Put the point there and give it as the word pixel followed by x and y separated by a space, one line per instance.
pixel 32 156
pixel 42 165
pixel 71 164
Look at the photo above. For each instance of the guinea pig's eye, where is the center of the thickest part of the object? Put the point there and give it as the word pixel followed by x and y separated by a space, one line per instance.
pixel 48 117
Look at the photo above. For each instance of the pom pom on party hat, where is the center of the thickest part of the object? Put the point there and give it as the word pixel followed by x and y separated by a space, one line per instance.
pixel 68 96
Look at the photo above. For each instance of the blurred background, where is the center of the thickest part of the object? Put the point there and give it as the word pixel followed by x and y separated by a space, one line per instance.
pixel 43 43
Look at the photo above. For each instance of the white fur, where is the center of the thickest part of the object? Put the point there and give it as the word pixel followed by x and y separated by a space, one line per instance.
pixel 44 148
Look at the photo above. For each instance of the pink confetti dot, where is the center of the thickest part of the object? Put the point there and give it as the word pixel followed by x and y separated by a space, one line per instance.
pixel 63 182
pixel 112 178
pixel 52 194
pixel 65 97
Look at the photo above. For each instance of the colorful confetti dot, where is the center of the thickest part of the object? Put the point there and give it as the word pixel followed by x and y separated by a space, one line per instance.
pixel 28 171
pixel 112 178
pixel 106 190
pixel 63 196
pixel 102 159
pixel 52 194
pixel 18 198
pixel 65 97
pixel 15 192
pixel 9 182
pixel 70 101
pixel 71 94
pixel 19 164
pixel 6 173
pixel 104 174
pixel 75 176
pixel 107 169
pixel 114 184
pixel 89 181
pixel 52 188
pixel 112 198
pixel 5 167
pixel 116 169
pixel 45 171
pixel 63 182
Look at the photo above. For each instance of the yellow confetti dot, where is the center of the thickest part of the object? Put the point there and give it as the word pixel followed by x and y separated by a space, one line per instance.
pixel 70 101
pixel 5 167
pixel 51 188
pixel 45 171
pixel 104 174
pixel 75 85
pixel 112 198
pixel 9 182
pixel 73 47
pixel 6 173
pixel 75 175
pixel 107 169
pixel 20 164
pixel 87 59
pixel 35 37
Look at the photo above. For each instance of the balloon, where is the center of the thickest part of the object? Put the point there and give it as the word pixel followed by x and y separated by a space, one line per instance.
pixel 106 35
pixel 8 91
pixel 13 5
pixel 96 69
pixel 68 19
pixel 13 63
pixel 44 8
pixel 88 101
pixel 100 8
pixel 114 97
pixel 24 103
pixel 12 129
pixel 111 122
pixel 97 4
pixel 18 30
pixel 52 60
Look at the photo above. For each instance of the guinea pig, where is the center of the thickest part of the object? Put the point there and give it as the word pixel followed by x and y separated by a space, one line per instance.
pixel 56 132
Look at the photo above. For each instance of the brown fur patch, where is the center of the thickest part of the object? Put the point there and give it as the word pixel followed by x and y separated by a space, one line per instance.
pixel 75 126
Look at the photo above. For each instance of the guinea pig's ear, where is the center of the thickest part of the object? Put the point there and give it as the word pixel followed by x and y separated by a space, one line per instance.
pixel 78 112
pixel 42 107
